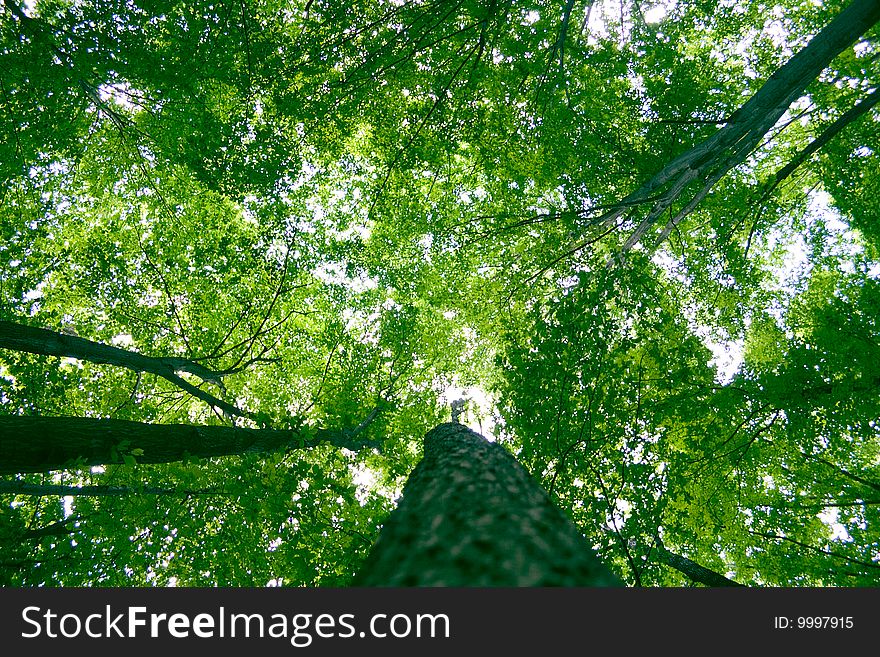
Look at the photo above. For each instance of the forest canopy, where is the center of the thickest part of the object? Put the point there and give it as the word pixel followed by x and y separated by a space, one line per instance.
pixel 252 251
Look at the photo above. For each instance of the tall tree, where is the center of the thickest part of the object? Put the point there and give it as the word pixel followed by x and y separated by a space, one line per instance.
pixel 471 516
pixel 262 217
pixel 43 444
pixel 21 337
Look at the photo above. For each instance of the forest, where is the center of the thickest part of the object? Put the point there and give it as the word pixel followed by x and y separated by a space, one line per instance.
pixel 253 252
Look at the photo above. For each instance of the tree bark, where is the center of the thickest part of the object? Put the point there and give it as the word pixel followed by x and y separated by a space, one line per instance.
pixel 707 162
pixel 470 515
pixel 692 569
pixel 33 340
pixel 43 444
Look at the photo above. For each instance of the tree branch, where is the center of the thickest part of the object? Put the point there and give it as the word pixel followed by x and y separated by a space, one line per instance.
pixel 827 135
pixel 711 159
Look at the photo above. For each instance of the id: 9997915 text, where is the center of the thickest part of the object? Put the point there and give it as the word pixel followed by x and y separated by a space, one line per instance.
pixel 813 623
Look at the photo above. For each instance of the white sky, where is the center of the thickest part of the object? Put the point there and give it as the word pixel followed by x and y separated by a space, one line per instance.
pixel 480 411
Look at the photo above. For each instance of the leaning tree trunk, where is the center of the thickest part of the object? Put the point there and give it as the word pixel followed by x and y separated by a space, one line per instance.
pixel 692 569
pixel 43 444
pixel 470 515
pixel 706 163
pixel 33 340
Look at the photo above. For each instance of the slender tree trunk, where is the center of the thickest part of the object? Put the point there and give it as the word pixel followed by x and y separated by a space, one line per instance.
pixel 692 569
pixel 470 515
pixel 33 340
pixel 43 444
pixel 706 163
pixel 845 119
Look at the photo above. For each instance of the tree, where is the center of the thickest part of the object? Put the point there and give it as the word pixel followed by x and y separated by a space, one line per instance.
pixel 707 162
pixel 470 516
pixel 693 570
pixel 44 444
pixel 258 248
pixel 40 341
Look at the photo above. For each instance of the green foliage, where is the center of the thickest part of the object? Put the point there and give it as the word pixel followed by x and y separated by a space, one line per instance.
pixel 350 212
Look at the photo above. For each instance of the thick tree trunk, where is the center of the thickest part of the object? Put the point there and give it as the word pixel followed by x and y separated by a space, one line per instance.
pixel 470 515
pixel 43 444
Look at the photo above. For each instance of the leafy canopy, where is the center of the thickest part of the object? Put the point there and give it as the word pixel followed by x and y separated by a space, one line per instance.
pixel 377 204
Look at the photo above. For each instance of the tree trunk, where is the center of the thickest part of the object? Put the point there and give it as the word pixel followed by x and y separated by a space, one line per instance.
pixel 470 515
pixel 33 340
pixel 43 444
pixel 707 162
pixel 692 569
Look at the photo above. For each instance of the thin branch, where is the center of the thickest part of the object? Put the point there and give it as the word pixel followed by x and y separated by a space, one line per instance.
pixel 60 528
pixel 813 548
pixel 134 389
pixel 563 31
pixel 846 473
